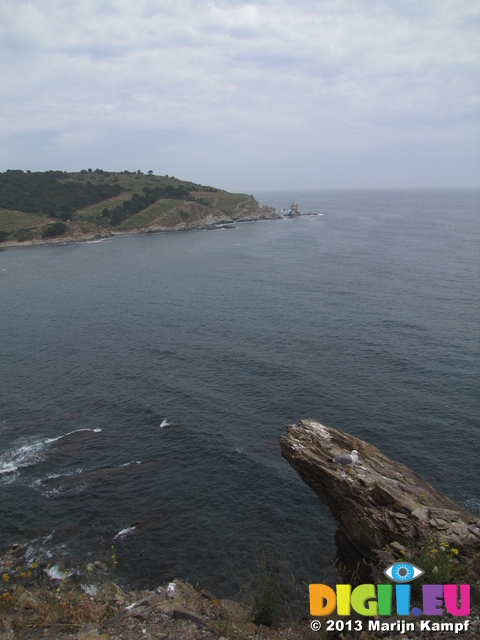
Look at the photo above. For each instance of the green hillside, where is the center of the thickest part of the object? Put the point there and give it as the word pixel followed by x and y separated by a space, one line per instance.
pixel 56 205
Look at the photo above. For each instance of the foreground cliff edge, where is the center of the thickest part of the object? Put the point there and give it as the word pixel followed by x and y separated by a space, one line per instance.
pixel 384 510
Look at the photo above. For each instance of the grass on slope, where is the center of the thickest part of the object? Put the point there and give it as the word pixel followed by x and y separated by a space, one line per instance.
pixel 14 220
pixel 160 209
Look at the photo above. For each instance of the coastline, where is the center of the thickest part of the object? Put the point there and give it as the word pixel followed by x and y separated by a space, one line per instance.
pixel 60 208
pixel 39 601
pixel 207 224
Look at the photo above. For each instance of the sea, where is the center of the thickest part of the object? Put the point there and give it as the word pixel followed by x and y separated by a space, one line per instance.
pixel 146 380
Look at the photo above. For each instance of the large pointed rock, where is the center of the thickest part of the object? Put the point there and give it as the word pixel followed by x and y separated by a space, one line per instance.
pixel 380 504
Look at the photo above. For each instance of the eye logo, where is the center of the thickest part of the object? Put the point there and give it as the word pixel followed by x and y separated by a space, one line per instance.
pixel 403 572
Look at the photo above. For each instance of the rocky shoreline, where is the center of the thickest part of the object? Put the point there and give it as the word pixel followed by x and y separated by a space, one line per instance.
pixel 385 513
pixel 40 600
pixel 53 609
pixel 200 218
pixel 176 610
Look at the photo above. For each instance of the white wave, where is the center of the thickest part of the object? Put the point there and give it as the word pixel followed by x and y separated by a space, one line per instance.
pixel 7 467
pixel 64 474
pixel 64 435
pixel 165 423
pixel 25 453
pixel 124 532
pixel 22 454
pixel 89 589
pixel 51 476
pixel 54 573
pixel 127 464
pixel 66 492
pixel 48 551
pixel 8 478
pixel 38 482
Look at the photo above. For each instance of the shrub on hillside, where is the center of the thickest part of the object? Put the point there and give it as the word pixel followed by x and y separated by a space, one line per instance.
pixel 55 229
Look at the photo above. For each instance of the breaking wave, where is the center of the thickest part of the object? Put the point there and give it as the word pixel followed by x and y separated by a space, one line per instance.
pixel 28 452
pixel 22 454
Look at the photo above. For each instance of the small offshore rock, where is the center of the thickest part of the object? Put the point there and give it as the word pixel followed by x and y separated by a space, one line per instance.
pixel 294 212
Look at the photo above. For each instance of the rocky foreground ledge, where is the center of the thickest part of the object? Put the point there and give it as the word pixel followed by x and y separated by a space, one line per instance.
pixel 175 611
pixel 382 507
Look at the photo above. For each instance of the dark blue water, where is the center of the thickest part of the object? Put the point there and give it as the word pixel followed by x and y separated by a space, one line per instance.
pixel 364 318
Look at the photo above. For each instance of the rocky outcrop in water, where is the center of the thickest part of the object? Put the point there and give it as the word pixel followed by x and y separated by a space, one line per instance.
pixel 294 212
pixel 382 507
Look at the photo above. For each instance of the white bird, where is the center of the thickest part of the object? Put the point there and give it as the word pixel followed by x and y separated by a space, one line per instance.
pixel 346 459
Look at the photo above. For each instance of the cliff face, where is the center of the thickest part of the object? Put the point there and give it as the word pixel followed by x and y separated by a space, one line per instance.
pixel 192 215
pixel 380 505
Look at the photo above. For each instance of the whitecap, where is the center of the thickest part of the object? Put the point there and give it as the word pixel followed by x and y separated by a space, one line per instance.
pixel 52 476
pixel 7 467
pixel 25 453
pixel 70 433
pixel 66 492
pixel 64 474
pixel 89 589
pixel 22 454
pixel 54 573
pixel 8 478
pixel 124 532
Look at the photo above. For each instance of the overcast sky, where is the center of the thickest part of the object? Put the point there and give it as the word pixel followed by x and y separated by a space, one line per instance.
pixel 245 95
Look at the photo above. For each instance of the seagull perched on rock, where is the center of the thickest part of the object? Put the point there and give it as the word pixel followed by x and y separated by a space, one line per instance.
pixel 346 459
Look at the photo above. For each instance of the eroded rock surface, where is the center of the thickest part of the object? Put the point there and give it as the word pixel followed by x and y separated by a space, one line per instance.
pixel 380 505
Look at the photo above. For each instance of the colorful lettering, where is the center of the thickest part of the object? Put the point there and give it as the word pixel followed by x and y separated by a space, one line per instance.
pixel 450 595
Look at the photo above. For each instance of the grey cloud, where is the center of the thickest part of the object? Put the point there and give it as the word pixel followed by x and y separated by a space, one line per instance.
pixel 332 76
